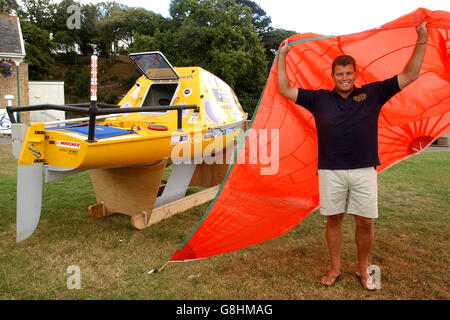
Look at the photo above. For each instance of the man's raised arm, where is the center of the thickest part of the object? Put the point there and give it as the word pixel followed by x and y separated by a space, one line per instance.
pixel 284 86
pixel 412 68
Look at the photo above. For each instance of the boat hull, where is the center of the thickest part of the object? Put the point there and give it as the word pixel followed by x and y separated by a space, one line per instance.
pixel 69 150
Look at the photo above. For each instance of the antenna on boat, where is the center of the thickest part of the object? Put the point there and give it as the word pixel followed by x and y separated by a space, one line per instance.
pixel 93 107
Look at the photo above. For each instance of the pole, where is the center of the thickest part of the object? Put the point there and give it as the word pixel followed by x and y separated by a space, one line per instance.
pixel 18 92
pixel 93 108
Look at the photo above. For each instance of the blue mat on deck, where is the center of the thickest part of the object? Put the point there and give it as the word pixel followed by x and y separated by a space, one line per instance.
pixel 101 132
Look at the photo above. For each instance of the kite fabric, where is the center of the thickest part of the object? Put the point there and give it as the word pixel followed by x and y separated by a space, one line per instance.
pixel 254 205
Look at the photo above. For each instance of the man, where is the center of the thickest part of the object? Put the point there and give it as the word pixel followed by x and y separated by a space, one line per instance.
pixel 346 120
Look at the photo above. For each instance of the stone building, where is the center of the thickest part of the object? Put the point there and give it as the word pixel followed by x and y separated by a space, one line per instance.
pixel 12 51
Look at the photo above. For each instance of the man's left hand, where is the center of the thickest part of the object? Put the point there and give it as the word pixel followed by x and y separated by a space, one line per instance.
pixel 422 32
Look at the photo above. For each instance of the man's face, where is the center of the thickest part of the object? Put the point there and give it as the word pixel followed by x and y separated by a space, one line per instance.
pixel 344 77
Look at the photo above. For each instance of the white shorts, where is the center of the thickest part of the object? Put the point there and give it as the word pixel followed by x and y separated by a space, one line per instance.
pixel 351 191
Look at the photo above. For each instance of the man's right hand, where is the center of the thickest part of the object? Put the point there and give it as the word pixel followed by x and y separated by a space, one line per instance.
pixel 284 86
pixel 285 48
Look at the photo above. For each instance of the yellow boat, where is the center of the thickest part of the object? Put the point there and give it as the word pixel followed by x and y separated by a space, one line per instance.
pixel 182 115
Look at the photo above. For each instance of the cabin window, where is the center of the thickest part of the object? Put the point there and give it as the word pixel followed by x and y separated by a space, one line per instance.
pixel 160 94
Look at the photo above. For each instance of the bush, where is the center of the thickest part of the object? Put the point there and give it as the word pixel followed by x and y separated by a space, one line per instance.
pixel 129 80
pixel 109 98
pixel 69 77
pixel 82 84
pixel 69 58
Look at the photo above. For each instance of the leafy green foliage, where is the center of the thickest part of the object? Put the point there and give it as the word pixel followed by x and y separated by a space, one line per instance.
pixel 219 36
pixel 231 38
pixel 272 40
pixel 260 19
pixel 40 13
pixel 38 47
pixel 9 6
pixel 82 84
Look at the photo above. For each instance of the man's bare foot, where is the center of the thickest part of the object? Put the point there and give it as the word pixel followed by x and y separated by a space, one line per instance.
pixel 330 279
pixel 366 282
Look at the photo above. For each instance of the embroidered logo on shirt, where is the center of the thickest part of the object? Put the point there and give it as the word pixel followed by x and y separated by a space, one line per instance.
pixel 360 97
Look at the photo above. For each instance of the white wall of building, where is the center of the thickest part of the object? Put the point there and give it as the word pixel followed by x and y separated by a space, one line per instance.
pixel 42 92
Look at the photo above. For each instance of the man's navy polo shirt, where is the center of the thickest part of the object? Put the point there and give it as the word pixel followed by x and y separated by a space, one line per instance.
pixel 348 128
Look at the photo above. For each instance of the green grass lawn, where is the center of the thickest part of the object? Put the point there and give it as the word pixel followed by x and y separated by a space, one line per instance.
pixel 411 247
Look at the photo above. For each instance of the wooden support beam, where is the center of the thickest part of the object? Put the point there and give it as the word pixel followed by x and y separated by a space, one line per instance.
pixel 165 211
pixel 133 191
pixel 208 175
pixel 98 210
pixel 129 190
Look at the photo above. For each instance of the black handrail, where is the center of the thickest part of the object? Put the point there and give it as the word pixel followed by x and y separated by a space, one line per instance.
pixel 87 104
pixel 93 112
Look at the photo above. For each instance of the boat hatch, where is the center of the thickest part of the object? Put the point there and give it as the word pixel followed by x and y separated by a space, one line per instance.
pixel 160 94
pixel 154 65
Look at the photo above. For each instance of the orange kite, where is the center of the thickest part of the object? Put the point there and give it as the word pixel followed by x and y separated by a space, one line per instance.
pixel 253 206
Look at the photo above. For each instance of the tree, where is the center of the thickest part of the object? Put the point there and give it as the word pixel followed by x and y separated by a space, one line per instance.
pixel 88 31
pixel 38 47
pixel 148 22
pixel 219 36
pixel 60 15
pixel 112 19
pixel 272 40
pixel 9 7
pixel 120 23
pixel 64 38
pixel 89 28
pixel 143 43
pixel 271 37
pixel 63 41
pixel 260 19
pixel 40 13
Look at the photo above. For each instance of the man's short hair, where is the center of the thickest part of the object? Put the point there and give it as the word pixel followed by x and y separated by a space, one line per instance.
pixel 343 60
